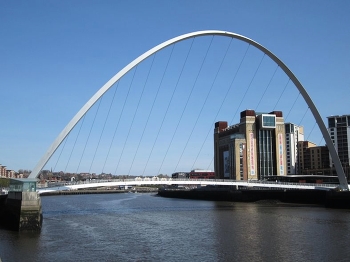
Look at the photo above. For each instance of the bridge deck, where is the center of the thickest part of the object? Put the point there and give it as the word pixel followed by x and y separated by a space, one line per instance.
pixel 200 182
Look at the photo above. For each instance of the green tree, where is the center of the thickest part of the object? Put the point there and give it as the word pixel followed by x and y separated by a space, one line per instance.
pixel 4 182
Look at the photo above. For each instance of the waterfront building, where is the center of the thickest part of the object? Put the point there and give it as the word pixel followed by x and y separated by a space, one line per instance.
pixel 304 155
pixel 2 171
pixel 313 159
pixel 252 149
pixel 7 173
pixel 339 130
pixel 294 134
pixel 10 173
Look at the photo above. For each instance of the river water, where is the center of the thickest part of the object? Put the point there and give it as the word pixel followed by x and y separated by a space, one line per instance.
pixel 145 227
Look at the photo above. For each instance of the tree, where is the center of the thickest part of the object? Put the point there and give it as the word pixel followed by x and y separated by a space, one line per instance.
pixel 4 182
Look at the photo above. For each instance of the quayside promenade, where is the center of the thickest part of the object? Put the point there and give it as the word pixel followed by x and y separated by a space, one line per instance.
pixel 330 199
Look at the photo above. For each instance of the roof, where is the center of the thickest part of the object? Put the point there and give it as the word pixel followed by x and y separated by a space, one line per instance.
pixel 25 180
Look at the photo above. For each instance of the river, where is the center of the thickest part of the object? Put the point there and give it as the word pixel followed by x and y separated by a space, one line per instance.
pixel 145 227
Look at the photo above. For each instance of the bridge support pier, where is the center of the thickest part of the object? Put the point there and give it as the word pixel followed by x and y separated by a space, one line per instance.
pixel 23 211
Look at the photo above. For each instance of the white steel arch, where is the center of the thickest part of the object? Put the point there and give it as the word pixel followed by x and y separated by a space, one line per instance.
pixel 45 158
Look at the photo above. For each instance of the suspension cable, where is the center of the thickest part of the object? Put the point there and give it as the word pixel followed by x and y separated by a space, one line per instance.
pixel 59 156
pixel 190 95
pixel 307 139
pixel 292 106
pixel 322 139
pixel 110 144
pixel 301 120
pixel 284 89
pixel 76 139
pixel 221 105
pixel 153 104
pixel 200 112
pixel 138 104
pixel 87 139
pixel 268 85
pixel 177 83
pixel 103 128
pixel 121 154
pixel 251 81
pixel 166 111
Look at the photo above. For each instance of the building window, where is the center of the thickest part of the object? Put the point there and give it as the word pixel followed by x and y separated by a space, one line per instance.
pixel 331 122
pixel 268 121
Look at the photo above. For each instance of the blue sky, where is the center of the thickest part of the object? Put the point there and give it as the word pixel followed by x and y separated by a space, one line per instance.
pixel 54 55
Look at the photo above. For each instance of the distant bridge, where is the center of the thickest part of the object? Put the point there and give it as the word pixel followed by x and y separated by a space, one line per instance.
pixel 200 182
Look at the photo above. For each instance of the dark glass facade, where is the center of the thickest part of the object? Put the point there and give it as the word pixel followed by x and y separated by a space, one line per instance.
pixel 339 129
pixel 266 156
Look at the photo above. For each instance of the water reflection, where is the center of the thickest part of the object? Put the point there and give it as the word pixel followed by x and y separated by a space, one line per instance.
pixel 142 227
pixel 278 232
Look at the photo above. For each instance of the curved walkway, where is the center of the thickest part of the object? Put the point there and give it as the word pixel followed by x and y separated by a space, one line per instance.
pixel 201 182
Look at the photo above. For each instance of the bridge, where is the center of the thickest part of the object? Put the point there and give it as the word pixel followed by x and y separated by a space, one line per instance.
pixel 149 120
pixel 185 182
pixel 122 148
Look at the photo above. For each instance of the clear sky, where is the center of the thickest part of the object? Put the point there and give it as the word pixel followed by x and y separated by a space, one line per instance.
pixel 54 55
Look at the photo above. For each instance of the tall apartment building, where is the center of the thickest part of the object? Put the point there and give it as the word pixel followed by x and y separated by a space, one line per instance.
pixel 339 130
pixel 294 134
pixel 253 149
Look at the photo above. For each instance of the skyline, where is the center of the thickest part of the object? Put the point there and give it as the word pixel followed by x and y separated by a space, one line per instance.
pixel 55 56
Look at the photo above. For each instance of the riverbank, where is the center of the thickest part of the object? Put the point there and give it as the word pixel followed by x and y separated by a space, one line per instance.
pixel 331 199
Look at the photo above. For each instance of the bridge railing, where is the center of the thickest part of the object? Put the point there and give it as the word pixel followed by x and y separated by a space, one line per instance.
pixel 247 183
pixel 292 183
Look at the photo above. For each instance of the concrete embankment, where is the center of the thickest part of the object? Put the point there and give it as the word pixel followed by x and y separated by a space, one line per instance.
pixel 331 199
